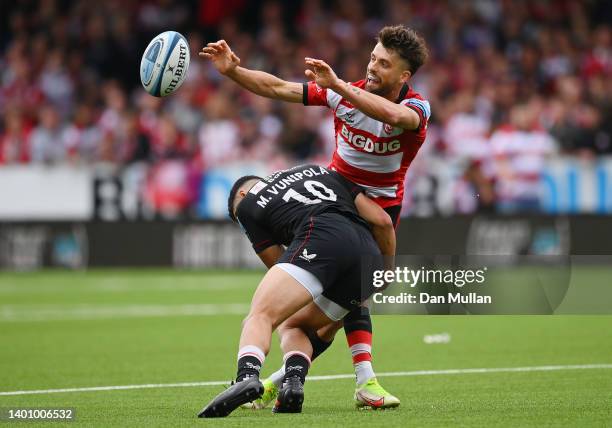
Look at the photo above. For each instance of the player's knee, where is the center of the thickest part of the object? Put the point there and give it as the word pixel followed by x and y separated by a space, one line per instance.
pixel 264 315
pixel 257 317
pixel 328 332
pixel 292 324
pixel 245 320
pixel 291 334
pixel 276 322
pixel 283 328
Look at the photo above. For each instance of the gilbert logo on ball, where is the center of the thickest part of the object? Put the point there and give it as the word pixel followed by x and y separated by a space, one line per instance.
pixel 164 64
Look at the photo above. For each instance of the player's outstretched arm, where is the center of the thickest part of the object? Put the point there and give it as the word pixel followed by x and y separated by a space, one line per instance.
pixel 373 105
pixel 381 223
pixel 258 82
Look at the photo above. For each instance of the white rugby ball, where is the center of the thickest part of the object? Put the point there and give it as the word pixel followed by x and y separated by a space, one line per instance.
pixel 164 64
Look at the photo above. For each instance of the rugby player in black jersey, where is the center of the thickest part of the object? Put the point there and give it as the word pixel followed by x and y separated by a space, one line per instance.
pixel 335 237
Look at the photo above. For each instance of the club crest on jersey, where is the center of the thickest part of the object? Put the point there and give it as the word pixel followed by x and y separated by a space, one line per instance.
pixel 367 144
pixel 387 128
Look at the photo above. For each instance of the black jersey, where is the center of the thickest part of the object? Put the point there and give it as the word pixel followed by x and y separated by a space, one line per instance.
pixel 275 207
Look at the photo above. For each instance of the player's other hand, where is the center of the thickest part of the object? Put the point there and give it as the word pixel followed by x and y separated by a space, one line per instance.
pixel 321 73
pixel 222 57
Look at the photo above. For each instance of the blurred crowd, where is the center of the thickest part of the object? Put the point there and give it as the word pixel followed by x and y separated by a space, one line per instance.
pixel 510 82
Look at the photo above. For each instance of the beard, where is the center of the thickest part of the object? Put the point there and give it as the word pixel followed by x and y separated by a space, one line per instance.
pixel 380 89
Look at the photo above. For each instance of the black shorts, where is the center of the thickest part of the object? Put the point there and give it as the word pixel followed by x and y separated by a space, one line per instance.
pixel 394 213
pixel 341 254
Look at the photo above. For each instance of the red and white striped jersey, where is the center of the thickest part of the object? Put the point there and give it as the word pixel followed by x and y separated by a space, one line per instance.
pixel 520 157
pixel 368 152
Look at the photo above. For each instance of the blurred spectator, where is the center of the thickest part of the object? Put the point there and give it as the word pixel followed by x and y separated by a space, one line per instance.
pixel 116 106
pixel 167 189
pixel 84 136
pixel 520 148
pixel 50 142
pixel 56 84
pixel 19 90
pixel 577 123
pixel 135 145
pixel 299 137
pixel 14 141
pixel 218 136
pixel 466 142
pixel 168 142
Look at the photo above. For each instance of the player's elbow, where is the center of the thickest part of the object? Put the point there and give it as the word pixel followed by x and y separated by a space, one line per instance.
pixel 382 220
pixel 396 115
pixel 394 118
pixel 406 119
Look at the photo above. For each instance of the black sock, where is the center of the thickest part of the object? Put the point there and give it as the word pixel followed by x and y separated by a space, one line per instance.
pixel 248 366
pixel 318 345
pixel 296 365
pixel 358 319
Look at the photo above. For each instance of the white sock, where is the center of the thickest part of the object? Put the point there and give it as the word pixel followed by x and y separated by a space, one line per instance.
pixel 363 372
pixel 277 376
pixel 254 351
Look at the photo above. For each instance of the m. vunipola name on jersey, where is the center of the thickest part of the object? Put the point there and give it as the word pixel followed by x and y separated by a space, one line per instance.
pixel 275 189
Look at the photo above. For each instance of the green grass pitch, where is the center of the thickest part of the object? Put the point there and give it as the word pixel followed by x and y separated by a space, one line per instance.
pixel 134 327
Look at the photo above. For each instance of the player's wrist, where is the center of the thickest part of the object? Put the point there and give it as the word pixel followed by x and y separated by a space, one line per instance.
pixel 337 85
pixel 231 71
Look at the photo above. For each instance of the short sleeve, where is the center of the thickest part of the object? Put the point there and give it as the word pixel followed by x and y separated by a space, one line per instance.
pixel 260 237
pixel 421 107
pixel 352 188
pixel 314 95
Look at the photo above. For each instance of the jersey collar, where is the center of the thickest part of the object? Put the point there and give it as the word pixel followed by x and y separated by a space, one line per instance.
pixel 402 93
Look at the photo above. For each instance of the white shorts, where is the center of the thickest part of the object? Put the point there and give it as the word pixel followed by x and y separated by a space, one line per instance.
pixel 334 311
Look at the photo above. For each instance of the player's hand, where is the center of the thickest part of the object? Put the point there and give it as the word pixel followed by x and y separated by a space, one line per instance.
pixel 321 73
pixel 222 57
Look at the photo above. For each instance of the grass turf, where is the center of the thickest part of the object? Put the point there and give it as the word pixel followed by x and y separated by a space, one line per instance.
pixel 74 351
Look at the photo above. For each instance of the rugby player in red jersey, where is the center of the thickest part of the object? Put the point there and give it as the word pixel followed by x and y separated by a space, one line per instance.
pixel 380 124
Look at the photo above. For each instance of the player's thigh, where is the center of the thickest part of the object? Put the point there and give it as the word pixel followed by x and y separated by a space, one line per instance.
pixel 310 318
pixel 328 332
pixel 278 296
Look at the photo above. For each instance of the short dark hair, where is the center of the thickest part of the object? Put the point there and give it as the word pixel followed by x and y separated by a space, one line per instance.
pixel 232 195
pixel 407 43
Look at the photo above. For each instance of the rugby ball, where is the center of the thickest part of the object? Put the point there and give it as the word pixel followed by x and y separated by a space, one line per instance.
pixel 164 64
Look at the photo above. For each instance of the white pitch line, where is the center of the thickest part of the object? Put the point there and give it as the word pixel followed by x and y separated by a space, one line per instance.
pixel 120 285
pixel 320 378
pixel 17 313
